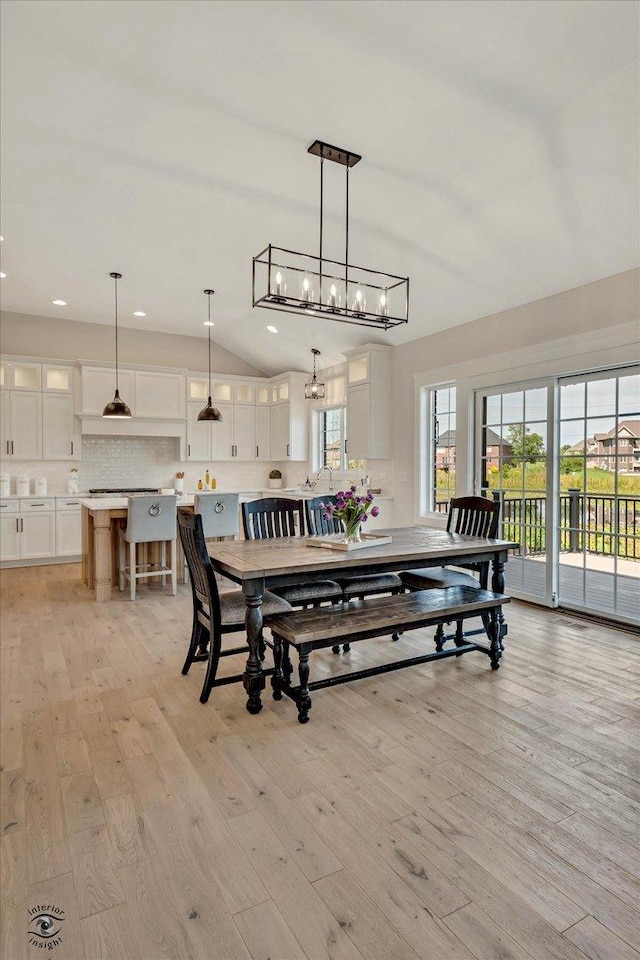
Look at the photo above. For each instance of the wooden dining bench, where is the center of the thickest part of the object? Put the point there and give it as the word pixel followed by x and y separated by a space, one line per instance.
pixel 308 630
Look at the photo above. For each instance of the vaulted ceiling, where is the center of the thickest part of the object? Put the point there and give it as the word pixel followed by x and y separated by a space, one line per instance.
pixel 167 140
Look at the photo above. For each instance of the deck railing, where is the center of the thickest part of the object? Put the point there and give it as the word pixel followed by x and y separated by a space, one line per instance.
pixel 596 523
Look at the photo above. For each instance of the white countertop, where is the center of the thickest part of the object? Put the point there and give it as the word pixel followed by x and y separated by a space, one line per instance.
pixel 120 503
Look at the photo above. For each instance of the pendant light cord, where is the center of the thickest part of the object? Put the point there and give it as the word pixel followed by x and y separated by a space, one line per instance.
pixel 116 313
pixel 209 333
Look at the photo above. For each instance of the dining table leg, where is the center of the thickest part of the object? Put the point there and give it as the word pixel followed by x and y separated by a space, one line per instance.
pixel 497 585
pixel 253 677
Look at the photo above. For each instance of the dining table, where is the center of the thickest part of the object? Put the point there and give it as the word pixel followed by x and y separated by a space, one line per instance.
pixel 260 565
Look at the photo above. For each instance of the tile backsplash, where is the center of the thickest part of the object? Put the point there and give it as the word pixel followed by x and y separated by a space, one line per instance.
pixel 153 462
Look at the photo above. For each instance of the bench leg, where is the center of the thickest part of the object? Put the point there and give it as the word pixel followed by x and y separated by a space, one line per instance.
pixel 439 637
pixel 277 676
pixel 287 666
pixel 459 635
pixel 304 700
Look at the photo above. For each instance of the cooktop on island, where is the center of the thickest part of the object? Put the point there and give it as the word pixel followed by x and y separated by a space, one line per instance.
pixel 121 491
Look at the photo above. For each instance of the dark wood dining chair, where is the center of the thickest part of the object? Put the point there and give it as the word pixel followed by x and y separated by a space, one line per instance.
pixel 474 517
pixel 214 614
pixel 353 587
pixel 279 517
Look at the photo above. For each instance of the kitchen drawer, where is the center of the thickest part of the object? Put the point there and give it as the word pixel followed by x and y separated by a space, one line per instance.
pixel 9 506
pixel 70 504
pixel 37 505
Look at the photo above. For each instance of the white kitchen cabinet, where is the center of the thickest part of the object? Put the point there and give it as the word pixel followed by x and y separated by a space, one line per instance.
pixel 98 386
pixel 28 528
pixel 222 433
pixel 60 438
pixel 68 528
pixel 21 425
pixel 38 535
pixel 280 443
pixel 263 433
pixel 290 419
pixel 369 403
pixel 215 441
pixel 244 432
pixel 198 433
pixel 9 536
pixel 160 396
pixel 57 378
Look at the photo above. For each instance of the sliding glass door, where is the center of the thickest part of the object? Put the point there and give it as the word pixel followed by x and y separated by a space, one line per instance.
pixel 563 458
pixel 599 503
pixel 514 467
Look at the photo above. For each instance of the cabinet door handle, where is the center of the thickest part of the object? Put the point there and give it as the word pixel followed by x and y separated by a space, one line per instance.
pixel 3 505
pixel 287 449
pixel 72 448
pixel 7 448
pixel 72 503
pixel 188 449
pixel 17 525
pixel 232 449
pixel 37 504
pixel 257 452
pixel 345 446
pixel 12 448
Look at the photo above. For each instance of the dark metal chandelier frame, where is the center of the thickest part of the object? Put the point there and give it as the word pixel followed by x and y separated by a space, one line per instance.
pixel 324 287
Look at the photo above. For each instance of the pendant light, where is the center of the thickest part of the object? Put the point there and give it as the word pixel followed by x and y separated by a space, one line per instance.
pixel 314 389
pixel 209 412
pixel 117 408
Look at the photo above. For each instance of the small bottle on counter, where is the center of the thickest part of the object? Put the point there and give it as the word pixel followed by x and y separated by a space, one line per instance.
pixel 207 480
pixel 214 483
pixel 200 487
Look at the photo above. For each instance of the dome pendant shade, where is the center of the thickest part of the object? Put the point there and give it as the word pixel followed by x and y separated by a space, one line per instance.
pixel 210 412
pixel 117 409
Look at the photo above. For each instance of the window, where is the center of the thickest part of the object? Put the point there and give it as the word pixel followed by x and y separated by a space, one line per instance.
pixel 332 435
pixel 440 448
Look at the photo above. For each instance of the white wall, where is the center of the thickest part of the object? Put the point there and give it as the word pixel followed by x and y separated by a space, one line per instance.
pixel 23 335
pixel 592 326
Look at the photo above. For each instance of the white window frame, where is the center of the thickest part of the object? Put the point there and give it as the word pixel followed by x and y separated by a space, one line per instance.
pixel 427 448
pixel 317 460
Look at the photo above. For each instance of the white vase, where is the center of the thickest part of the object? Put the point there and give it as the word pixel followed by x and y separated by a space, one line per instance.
pixel 178 485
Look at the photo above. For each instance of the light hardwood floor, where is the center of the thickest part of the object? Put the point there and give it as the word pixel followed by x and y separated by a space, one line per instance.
pixel 443 812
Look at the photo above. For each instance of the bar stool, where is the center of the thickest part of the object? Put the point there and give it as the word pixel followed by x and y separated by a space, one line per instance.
pixel 149 520
pixel 220 514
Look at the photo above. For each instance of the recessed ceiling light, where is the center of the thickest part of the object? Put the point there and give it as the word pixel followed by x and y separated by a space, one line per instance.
pixel 59 303
pixel 2 275
pixel 272 329
pixel 139 313
pixel 208 323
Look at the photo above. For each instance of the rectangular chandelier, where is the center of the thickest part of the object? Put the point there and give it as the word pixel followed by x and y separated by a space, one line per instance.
pixel 302 283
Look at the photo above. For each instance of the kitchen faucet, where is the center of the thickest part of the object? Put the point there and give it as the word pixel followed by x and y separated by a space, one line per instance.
pixel 326 467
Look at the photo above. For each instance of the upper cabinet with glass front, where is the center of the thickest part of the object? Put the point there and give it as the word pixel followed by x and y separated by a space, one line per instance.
pixel 20 375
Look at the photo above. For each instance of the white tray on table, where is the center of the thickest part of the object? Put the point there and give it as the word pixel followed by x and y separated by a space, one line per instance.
pixel 335 541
